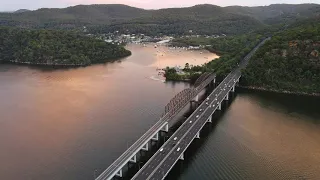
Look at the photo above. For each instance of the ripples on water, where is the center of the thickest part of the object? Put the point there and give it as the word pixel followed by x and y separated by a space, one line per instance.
pixel 65 124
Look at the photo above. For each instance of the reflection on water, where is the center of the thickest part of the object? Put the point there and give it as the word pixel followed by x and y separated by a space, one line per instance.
pixel 65 124
pixel 163 56
pixel 261 136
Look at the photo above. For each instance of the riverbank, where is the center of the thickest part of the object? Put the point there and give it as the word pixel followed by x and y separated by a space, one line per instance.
pixel 63 65
pixel 262 89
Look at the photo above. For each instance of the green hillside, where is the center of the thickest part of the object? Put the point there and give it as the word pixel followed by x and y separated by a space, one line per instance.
pixel 51 47
pixel 202 19
pixel 288 62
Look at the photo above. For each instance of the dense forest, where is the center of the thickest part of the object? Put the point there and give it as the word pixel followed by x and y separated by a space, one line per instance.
pixel 288 62
pixel 52 47
pixel 201 19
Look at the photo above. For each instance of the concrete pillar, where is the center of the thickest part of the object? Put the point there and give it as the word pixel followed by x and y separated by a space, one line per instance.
pixel 210 119
pixel 146 147
pixel 219 106
pixel 155 137
pixel 165 128
pixel 198 135
pixel 119 174
pixel 227 97
pixel 181 157
pixel 233 88
pixel 133 159
pixel 214 80
pixel 197 98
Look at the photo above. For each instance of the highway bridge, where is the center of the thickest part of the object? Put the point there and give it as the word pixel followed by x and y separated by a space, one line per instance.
pixel 160 164
pixel 175 105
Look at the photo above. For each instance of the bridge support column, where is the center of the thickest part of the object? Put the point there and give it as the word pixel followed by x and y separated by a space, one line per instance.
pixel 214 80
pixel 119 174
pixel 227 97
pixel 197 98
pixel 219 106
pixel 233 88
pixel 146 147
pixel 181 157
pixel 133 159
pixel 210 119
pixel 165 128
pixel 198 135
pixel 155 137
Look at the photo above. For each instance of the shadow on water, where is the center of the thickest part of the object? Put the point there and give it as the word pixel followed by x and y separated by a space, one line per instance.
pixel 287 103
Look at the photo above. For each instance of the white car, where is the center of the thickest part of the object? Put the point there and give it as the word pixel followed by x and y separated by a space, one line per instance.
pixel 190 122
pixel 207 103
pixel 208 99
pixel 161 150
pixel 197 116
pixel 175 138
pixel 178 149
pixel 200 110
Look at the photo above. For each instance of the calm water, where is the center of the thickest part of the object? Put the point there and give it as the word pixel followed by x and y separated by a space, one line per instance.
pixel 65 124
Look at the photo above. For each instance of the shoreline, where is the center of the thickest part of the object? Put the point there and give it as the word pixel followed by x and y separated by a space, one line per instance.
pixel 261 89
pixel 61 65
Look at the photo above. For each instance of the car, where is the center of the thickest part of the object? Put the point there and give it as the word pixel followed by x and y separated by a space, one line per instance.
pixel 161 150
pixel 207 103
pixel 208 99
pixel 178 149
pixel 216 99
pixel 200 110
pixel 190 122
pixel 197 116
pixel 216 95
pixel 175 138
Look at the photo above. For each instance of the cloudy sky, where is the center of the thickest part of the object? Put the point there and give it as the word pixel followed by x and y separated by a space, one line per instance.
pixel 11 5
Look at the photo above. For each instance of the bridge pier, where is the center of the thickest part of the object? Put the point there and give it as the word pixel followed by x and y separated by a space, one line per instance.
pixel 219 106
pixel 181 157
pixel 197 98
pixel 119 173
pixel 165 128
pixel 198 135
pixel 155 137
pixel 227 97
pixel 133 159
pixel 146 147
pixel 233 88
pixel 210 119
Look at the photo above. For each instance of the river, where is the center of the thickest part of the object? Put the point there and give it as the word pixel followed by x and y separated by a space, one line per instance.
pixel 71 124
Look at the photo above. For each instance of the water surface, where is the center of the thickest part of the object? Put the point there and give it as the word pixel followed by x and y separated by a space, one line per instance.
pixel 65 124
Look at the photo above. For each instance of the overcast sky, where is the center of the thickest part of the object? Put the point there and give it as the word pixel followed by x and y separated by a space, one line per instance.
pixel 11 5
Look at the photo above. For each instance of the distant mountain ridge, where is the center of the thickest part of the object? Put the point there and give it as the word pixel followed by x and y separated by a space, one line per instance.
pixel 22 10
pixel 203 19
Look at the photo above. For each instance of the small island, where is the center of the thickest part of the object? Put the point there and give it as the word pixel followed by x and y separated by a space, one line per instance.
pixel 55 48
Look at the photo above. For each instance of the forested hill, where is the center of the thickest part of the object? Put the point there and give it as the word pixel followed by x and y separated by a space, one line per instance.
pixel 52 47
pixel 202 19
pixel 290 61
